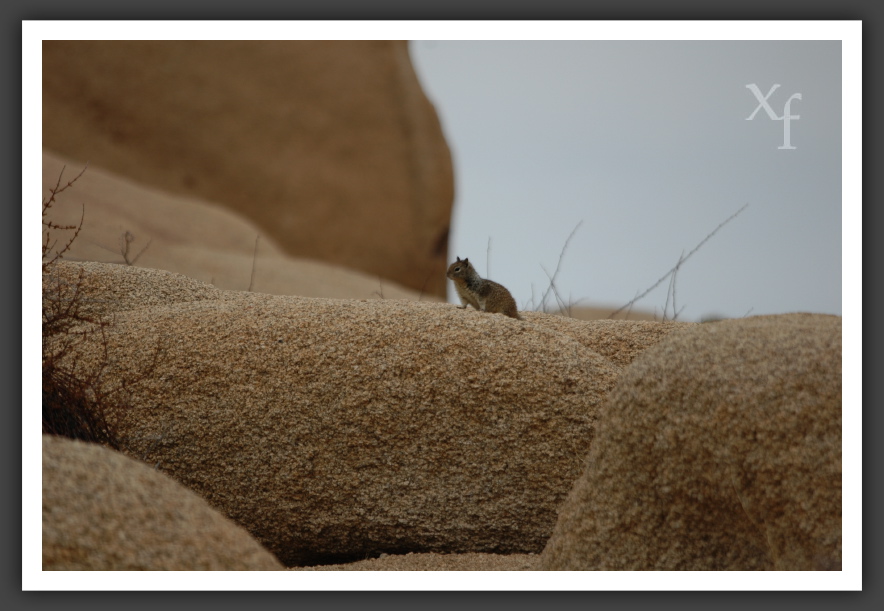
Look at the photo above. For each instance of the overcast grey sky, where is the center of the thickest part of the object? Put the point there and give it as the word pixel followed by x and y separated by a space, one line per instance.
pixel 648 144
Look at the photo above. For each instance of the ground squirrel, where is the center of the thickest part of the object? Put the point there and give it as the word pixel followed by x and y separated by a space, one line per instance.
pixel 484 295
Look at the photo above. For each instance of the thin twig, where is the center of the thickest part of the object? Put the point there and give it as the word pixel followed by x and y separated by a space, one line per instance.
pixel 671 271
pixel 254 261
pixel 676 311
pixel 125 240
pixel 488 259
pixel 668 293
pixel 141 252
pixel 559 301
pixel 380 293
pixel 528 304
pixel 629 310
pixel 48 243
pixel 552 278
pixel 671 290
pixel 424 287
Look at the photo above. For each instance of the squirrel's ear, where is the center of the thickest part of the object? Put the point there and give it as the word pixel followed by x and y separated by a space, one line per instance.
pixel 467 260
pixel 458 260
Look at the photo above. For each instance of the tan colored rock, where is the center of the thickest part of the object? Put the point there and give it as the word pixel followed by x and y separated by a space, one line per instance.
pixel 189 236
pixel 330 147
pixel 621 341
pixel 437 562
pixel 103 289
pixel 103 511
pixel 336 429
pixel 719 449
pixel 600 312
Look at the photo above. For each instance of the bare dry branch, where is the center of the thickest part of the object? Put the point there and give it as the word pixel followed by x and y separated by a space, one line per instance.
pixel 254 260
pixel 680 262
pixel 49 245
pixel 552 278
pixel 126 240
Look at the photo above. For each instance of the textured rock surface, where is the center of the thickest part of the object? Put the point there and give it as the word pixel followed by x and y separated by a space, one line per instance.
pixel 330 147
pixel 618 340
pixel 438 562
pixel 719 448
pixel 335 429
pixel 104 289
pixel 189 236
pixel 103 511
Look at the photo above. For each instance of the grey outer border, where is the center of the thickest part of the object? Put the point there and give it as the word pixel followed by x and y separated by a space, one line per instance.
pixel 453 9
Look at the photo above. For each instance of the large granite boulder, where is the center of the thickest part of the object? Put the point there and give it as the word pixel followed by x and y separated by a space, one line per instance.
pixel 126 221
pixel 719 449
pixel 333 430
pixel 330 147
pixel 103 511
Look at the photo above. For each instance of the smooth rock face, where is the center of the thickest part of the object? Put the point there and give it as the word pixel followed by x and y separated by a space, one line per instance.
pixel 330 147
pixel 126 221
pixel 718 449
pixel 335 429
pixel 103 511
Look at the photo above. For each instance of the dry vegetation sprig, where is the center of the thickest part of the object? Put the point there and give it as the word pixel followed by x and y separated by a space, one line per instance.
pixel 76 404
pixel 566 306
pixel 670 291
pixel 72 405
pixel 50 257
pixel 380 291
pixel 563 306
pixel 71 409
pixel 125 242
pixel 254 262
pixel 672 272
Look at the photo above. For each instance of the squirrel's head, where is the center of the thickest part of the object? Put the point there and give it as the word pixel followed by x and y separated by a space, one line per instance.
pixel 458 269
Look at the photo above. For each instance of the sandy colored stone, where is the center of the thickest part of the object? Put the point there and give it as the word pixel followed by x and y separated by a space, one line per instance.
pixel 621 341
pixel 718 449
pixel 336 429
pixel 601 312
pixel 190 236
pixel 103 289
pixel 330 147
pixel 437 562
pixel 104 511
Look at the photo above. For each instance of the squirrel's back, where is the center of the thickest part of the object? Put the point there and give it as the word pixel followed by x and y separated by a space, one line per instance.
pixel 484 295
